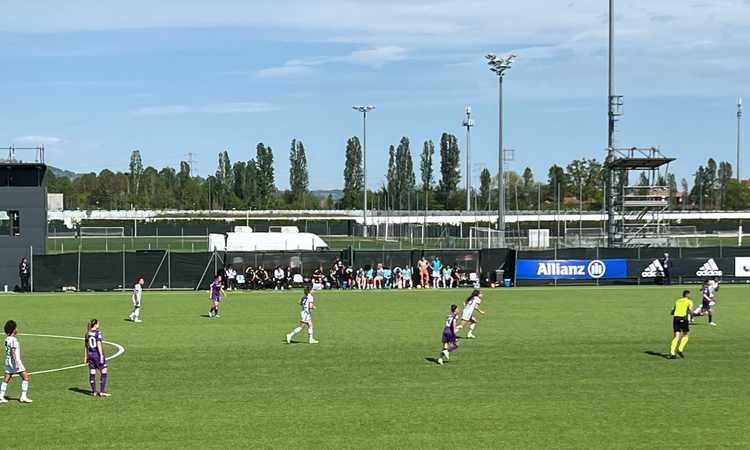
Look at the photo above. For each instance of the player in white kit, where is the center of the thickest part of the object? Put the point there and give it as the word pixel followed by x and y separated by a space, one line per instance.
pixel 307 304
pixel 13 364
pixel 467 316
pixel 135 316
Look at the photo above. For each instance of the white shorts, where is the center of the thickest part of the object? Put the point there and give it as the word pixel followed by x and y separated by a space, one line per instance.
pixel 12 370
pixel 305 316
pixel 136 304
pixel 467 315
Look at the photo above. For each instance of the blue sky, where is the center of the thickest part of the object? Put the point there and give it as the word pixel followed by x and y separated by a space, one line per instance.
pixel 93 80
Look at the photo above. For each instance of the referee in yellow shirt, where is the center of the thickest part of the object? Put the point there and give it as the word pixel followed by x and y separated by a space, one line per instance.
pixel 680 324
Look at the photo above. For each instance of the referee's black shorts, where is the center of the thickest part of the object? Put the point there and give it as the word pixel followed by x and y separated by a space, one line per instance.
pixel 680 324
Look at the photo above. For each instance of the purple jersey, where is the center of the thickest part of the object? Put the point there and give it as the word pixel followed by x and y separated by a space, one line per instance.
pixel 94 358
pixel 216 287
pixel 449 335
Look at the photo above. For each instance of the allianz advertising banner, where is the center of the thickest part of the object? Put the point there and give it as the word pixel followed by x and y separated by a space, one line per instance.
pixel 570 269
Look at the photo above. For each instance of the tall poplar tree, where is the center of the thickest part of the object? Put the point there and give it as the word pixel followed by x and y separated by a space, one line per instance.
pixel 353 175
pixel 299 180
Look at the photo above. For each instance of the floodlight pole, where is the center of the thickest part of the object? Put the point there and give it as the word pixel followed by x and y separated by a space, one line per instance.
pixel 611 119
pixel 500 158
pixel 499 65
pixel 364 110
pixel 468 123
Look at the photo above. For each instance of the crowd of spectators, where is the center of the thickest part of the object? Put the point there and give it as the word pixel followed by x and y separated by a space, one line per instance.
pixel 424 274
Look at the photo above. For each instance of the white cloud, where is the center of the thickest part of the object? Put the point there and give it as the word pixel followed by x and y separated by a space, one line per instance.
pixel 37 140
pixel 377 56
pixel 217 108
pixel 373 57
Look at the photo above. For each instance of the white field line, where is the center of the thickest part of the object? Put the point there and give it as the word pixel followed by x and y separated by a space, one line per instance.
pixel 120 351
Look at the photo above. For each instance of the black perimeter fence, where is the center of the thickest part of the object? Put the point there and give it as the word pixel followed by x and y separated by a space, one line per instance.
pixel 172 270
pixel 160 269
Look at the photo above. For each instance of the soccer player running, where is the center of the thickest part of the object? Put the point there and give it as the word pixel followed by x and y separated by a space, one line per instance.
pixel 135 316
pixel 680 325
pixel 307 305
pixel 467 316
pixel 450 343
pixel 13 364
pixel 709 300
pixel 216 289
pixel 95 358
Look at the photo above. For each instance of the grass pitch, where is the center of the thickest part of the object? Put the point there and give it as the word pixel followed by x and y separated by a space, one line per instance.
pixel 551 368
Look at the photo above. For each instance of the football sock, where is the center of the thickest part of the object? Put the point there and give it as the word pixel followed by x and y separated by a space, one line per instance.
pixel 471 327
pixel 673 348
pixel 137 312
pixel 295 331
pixel 683 343
pixel 24 388
pixel 92 382
pixel 310 333
pixel 710 317
pixel 3 387
pixel 103 382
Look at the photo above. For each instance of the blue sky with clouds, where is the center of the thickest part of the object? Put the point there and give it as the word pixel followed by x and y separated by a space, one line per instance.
pixel 93 80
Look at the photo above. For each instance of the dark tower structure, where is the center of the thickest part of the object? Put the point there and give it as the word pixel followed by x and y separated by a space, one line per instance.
pixel 23 210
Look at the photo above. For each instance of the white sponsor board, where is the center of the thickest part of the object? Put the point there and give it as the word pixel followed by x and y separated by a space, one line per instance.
pixel 742 267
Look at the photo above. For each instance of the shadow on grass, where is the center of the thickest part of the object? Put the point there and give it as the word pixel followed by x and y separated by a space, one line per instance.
pixel 659 354
pixel 77 390
pixel 431 360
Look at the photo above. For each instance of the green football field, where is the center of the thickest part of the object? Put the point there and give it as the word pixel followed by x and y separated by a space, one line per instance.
pixel 551 368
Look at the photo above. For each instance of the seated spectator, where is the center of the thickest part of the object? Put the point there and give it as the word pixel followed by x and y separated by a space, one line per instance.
pixel 318 279
pixel 396 278
pixel 370 275
pixel 387 277
pixel 447 276
pixel 279 278
pixel 378 280
pixel 406 282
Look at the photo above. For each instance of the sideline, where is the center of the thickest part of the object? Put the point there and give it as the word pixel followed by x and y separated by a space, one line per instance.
pixel 120 351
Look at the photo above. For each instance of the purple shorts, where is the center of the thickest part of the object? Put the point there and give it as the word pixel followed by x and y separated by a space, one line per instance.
pixel 448 336
pixel 94 363
pixel 215 298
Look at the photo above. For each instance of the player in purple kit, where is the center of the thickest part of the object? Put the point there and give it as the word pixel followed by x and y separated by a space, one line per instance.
pixel 450 343
pixel 217 288
pixel 95 359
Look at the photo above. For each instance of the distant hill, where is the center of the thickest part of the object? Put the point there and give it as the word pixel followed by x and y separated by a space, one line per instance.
pixel 337 194
pixel 60 173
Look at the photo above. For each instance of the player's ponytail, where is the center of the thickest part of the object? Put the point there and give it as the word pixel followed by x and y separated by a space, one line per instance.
pixel 92 323
pixel 474 293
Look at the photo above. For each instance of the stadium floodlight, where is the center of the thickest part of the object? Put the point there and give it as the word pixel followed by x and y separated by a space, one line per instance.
pixel 499 65
pixel 364 110
pixel 468 123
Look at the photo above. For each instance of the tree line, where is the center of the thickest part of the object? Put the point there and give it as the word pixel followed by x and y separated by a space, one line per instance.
pixel 252 184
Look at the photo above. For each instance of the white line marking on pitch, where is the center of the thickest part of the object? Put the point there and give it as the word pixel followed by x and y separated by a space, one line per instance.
pixel 120 351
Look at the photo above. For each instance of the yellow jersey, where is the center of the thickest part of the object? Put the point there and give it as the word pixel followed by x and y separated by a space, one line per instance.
pixel 682 306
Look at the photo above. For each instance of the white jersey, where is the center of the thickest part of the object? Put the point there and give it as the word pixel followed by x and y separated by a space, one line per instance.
pixel 713 286
pixel 278 274
pixel 305 304
pixel 137 293
pixel 11 344
pixel 469 307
